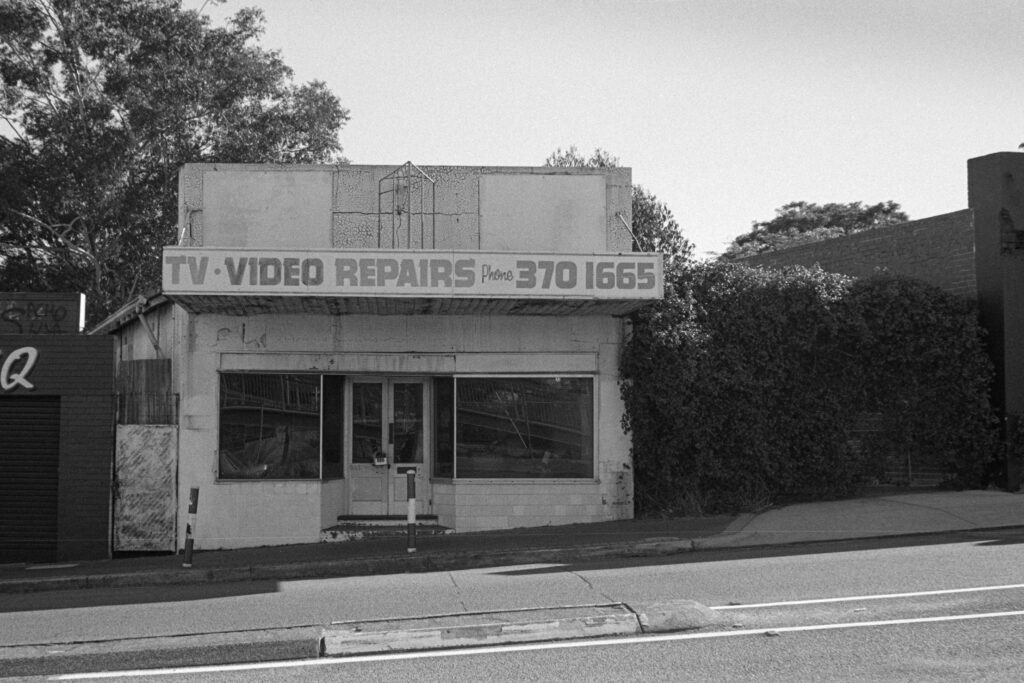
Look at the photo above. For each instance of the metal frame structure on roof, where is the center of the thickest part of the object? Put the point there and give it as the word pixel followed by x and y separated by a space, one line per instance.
pixel 402 188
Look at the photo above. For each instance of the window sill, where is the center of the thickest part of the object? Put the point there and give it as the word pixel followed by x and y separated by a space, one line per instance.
pixel 575 481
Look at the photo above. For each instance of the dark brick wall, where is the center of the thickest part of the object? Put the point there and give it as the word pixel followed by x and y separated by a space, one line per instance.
pixel 939 250
pixel 80 370
pixel 995 190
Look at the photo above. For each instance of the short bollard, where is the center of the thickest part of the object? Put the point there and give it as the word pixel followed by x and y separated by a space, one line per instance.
pixel 410 478
pixel 190 527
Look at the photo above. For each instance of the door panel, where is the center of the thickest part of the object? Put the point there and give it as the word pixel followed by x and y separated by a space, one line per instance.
pixel 368 494
pixel 389 434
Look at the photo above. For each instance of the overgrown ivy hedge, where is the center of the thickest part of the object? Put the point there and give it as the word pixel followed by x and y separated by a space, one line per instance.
pixel 742 387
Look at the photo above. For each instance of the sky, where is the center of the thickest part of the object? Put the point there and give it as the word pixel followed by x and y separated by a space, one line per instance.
pixel 724 109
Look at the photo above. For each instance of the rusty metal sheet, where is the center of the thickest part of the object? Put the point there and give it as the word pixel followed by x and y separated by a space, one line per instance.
pixel 145 488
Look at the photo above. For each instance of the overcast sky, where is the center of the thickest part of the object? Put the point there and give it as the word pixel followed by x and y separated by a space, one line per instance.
pixel 724 109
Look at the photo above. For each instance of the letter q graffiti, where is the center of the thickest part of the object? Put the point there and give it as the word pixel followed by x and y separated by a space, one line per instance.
pixel 9 376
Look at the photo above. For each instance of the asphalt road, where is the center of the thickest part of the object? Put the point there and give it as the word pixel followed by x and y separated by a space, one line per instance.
pixel 819 573
pixel 978 650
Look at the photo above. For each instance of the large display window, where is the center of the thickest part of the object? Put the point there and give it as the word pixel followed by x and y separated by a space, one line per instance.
pixel 271 426
pixel 523 428
pixel 291 426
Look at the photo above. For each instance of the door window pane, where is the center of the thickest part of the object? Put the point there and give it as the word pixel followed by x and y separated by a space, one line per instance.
pixel 408 421
pixel 524 427
pixel 269 426
pixel 367 421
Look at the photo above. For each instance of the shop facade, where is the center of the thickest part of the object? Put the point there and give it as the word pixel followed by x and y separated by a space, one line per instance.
pixel 56 431
pixel 333 330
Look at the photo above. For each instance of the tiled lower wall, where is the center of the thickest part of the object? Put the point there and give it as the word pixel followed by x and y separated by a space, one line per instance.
pixel 489 504
pixel 247 514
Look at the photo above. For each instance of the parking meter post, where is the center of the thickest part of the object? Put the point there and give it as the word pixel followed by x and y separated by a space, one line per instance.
pixel 410 478
pixel 190 527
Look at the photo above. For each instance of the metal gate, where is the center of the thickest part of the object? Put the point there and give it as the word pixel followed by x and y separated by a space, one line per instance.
pixel 29 465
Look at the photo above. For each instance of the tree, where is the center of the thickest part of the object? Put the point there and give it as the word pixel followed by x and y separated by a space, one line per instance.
pixel 103 101
pixel 800 222
pixel 654 227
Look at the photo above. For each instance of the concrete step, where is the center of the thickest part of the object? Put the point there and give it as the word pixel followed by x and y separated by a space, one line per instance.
pixel 366 530
pixel 384 520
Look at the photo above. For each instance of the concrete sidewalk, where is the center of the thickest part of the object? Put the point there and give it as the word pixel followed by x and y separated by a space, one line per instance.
pixel 873 517
pixel 869 517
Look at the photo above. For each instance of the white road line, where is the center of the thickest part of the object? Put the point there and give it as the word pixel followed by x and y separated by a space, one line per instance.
pixel 889 596
pixel 498 649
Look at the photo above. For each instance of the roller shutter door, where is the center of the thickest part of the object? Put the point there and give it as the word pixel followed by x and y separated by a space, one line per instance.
pixel 29 460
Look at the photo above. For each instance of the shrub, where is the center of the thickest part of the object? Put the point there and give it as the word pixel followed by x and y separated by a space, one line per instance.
pixel 741 387
pixel 925 370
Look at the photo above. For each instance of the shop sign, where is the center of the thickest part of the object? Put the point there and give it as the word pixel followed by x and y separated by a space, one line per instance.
pixel 16 367
pixel 412 273
pixel 41 313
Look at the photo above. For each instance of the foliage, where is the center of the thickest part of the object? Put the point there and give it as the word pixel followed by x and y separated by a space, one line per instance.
pixel 654 226
pixel 104 100
pixel 925 371
pixel 573 158
pixel 743 385
pixel 801 222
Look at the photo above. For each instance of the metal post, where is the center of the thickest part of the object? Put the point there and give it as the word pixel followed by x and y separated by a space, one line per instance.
pixel 190 527
pixel 410 478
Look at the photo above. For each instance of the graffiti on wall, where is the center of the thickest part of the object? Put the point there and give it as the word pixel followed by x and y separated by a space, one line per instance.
pixel 39 313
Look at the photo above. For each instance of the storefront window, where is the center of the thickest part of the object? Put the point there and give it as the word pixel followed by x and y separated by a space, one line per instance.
pixel 333 426
pixel 269 426
pixel 524 427
pixel 444 427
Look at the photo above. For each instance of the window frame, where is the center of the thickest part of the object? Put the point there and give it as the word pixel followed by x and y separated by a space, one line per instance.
pixel 594 407
pixel 219 478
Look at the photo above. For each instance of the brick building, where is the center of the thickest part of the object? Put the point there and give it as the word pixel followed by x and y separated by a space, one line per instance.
pixel 977 253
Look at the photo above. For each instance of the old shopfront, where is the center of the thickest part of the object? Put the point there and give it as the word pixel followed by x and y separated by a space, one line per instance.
pixel 332 329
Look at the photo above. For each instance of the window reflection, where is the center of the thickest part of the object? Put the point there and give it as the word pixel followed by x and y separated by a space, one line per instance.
pixel 367 422
pixel 269 426
pixel 524 427
pixel 444 427
pixel 408 421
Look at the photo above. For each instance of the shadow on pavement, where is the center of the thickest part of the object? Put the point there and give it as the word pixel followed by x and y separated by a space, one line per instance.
pixel 467 552
pixel 132 595
pixel 980 538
